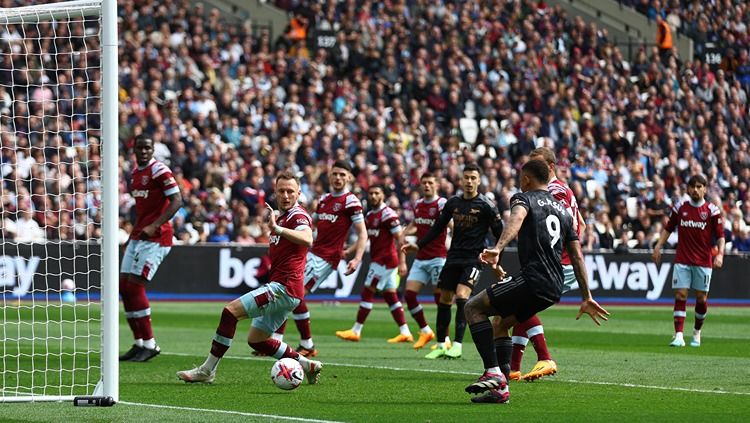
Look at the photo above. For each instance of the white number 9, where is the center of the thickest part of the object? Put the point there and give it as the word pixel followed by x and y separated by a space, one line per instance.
pixel 553 227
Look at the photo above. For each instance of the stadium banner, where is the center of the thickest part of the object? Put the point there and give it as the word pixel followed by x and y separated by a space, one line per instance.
pixel 215 271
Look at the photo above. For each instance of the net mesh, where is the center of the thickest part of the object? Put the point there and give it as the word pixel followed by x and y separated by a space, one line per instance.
pixel 50 120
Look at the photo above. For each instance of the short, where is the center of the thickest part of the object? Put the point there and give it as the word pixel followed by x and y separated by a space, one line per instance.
pixel 143 258
pixel 686 276
pixel 453 275
pixel 514 297
pixel 426 271
pixel 317 270
pixel 269 306
pixel 382 277
pixel 570 282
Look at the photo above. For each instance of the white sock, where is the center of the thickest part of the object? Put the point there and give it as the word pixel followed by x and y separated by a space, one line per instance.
pixel 357 328
pixel 494 370
pixel 149 343
pixel 211 363
pixel 306 343
pixel 426 329
pixel 277 336
pixel 678 335
pixel 404 329
pixel 304 362
pixel 139 342
pixel 696 333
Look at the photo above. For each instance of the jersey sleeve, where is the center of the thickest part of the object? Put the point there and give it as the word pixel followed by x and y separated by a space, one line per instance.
pixel 353 208
pixel 392 222
pixel 569 232
pixel 299 221
pixel 674 218
pixel 496 220
pixel 165 178
pixel 717 224
pixel 520 200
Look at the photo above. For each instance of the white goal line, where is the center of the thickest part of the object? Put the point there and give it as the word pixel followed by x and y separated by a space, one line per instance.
pixel 456 372
pixel 234 413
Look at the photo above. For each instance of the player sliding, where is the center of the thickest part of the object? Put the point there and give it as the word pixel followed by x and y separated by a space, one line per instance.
pixel 543 227
pixel 472 214
pixel 532 328
pixel 270 304
pixel 698 223
pixel 386 236
pixel 157 199
pixel 430 260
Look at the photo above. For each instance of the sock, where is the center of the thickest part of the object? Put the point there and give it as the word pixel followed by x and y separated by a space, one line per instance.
pixel 415 309
pixel 443 320
pixel 149 343
pixel 519 346
pixel 700 314
pixel 365 306
pixel 536 335
pixel 397 310
pixel 224 334
pixel 482 334
pixel 357 328
pixel 127 304
pixel 504 350
pixel 211 363
pixel 274 348
pixel 679 315
pixel 302 319
pixel 140 310
pixel 458 336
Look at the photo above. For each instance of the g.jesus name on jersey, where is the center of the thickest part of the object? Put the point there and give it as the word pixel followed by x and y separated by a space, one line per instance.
pixel 697 227
pixel 287 258
pixel 335 215
pixel 382 225
pixel 425 216
pixel 151 187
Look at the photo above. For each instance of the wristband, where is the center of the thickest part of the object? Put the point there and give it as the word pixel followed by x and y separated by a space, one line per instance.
pixel 278 230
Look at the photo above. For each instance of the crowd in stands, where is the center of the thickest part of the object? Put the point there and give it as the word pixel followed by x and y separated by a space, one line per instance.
pixel 413 86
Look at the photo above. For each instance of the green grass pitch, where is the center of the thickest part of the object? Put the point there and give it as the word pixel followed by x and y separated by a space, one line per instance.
pixel 622 371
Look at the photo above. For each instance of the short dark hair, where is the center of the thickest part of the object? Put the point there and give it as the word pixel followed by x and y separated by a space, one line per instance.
pixel 472 167
pixel 143 138
pixel 537 169
pixel 287 175
pixel 381 187
pixel 545 153
pixel 697 179
pixel 427 175
pixel 342 164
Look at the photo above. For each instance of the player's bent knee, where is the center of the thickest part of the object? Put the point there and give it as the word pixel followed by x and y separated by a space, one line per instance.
pixel 475 310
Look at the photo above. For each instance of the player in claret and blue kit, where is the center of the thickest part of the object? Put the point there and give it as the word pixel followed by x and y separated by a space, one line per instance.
pixel 699 225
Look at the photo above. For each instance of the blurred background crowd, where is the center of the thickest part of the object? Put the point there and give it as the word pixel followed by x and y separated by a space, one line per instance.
pixel 409 86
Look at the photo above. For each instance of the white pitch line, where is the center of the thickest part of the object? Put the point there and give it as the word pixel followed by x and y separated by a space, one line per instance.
pixel 234 413
pixel 455 372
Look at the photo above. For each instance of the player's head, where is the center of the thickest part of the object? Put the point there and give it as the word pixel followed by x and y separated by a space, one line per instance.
pixel 696 187
pixel 546 155
pixel 287 190
pixel 429 184
pixel 144 150
pixel 339 175
pixel 375 195
pixel 534 175
pixel 470 179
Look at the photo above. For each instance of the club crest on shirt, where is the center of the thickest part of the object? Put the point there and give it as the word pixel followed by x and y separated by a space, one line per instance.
pixel 145 179
pixel 376 222
pixel 336 207
pixel 473 211
pixel 704 215
pixel 433 212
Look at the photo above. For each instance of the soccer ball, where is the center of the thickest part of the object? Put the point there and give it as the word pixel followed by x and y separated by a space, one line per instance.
pixel 287 374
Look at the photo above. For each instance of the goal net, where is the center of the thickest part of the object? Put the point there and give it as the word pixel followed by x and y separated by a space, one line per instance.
pixel 55 331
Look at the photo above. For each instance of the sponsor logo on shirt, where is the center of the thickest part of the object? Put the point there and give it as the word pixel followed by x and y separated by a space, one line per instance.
pixel 693 224
pixel 140 193
pixel 423 221
pixel 373 232
pixel 329 217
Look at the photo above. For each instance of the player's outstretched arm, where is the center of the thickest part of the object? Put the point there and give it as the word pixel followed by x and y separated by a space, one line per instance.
pixel 588 304
pixel 359 247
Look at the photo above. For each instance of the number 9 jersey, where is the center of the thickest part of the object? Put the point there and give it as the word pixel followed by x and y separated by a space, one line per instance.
pixel 544 233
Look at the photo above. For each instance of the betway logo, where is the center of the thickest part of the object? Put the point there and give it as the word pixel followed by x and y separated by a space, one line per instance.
pixel 633 276
pixel 373 232
pixel 693 224
pixel 16 270
pixel 329 217
pixel 140 193
pixel 423 221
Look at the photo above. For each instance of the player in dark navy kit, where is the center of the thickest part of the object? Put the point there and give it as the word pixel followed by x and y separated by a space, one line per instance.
pixel 473 215
pixel 543 227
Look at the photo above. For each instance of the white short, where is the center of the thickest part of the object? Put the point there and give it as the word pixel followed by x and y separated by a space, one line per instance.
pixel 685 277
pixel 143 258
pixel 569 282
pixel 269 306
pixel 317 270
pixel 426 271
pixel 385 278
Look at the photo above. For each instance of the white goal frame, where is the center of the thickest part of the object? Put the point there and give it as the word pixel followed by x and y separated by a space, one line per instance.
pixel 108 385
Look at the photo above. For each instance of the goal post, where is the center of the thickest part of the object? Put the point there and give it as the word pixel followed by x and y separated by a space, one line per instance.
pixel 59 211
